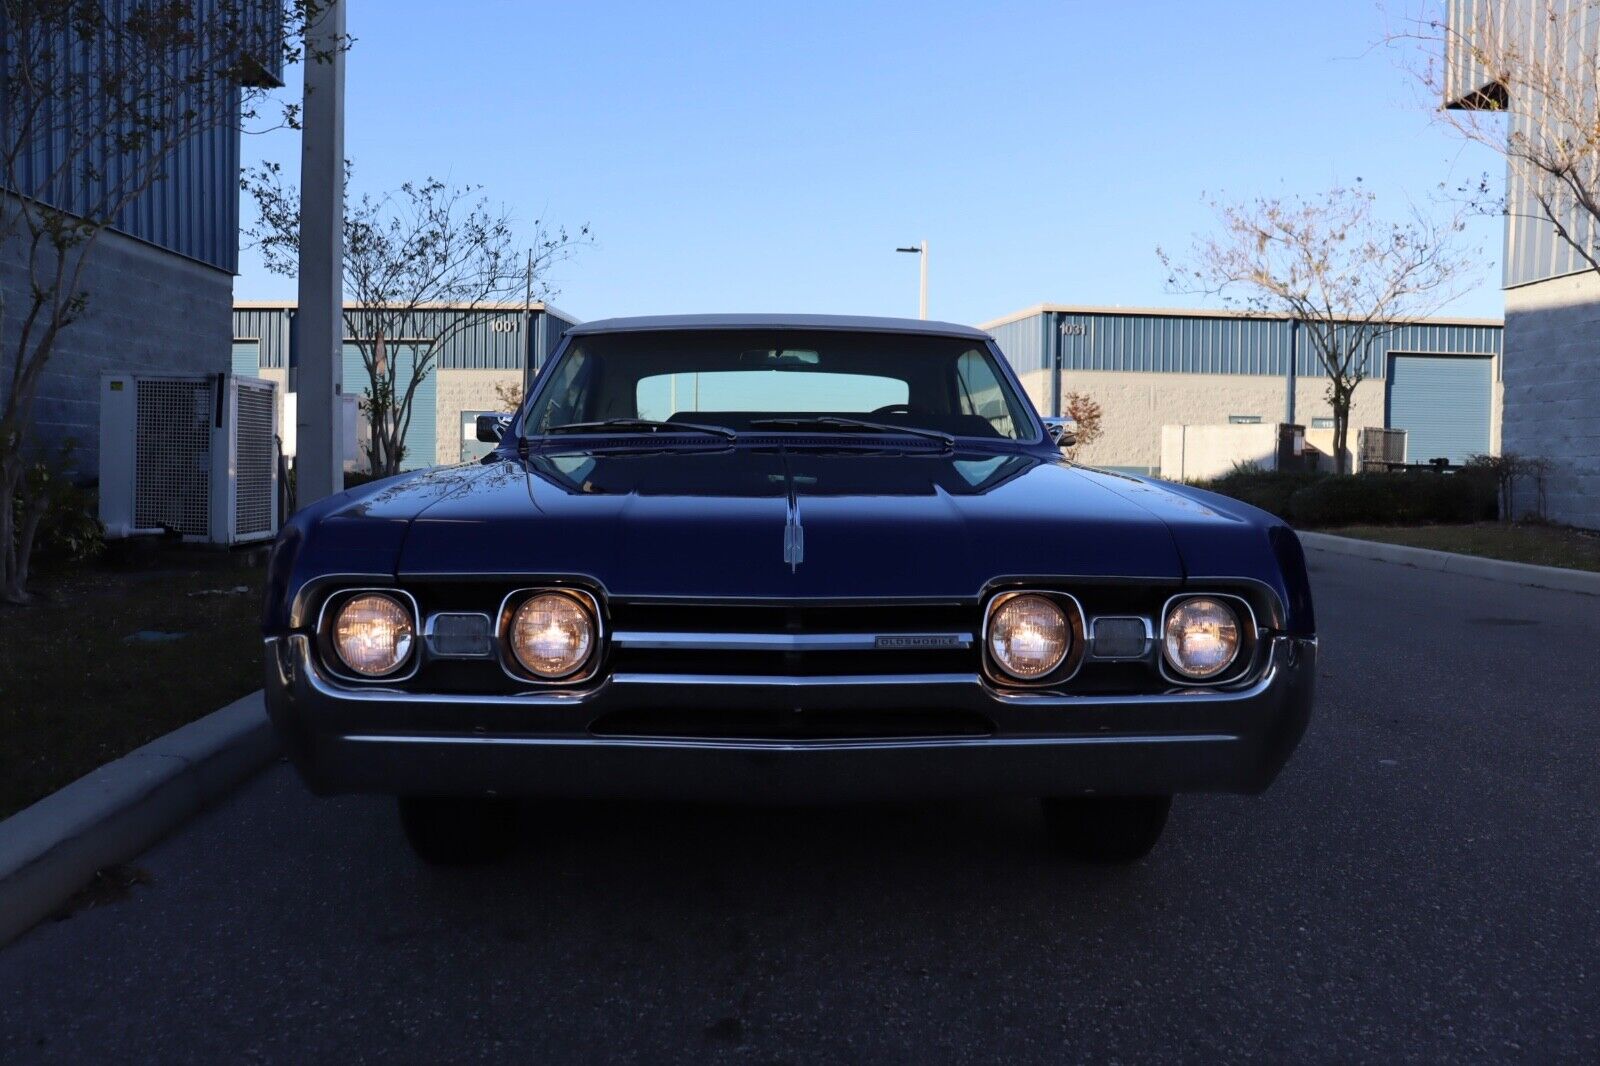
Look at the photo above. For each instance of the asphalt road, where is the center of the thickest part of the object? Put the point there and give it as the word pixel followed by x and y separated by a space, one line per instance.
pixel 1420 884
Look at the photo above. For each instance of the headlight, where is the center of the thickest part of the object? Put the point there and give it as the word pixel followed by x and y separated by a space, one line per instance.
pixel 552 635
pixel 373 634
pixel 1028 636
pixel 1201 637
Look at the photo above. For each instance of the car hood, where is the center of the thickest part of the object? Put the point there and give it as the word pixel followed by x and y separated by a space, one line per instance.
pixel 714 523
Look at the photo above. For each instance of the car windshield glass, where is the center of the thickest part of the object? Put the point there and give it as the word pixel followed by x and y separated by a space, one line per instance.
pixel 779 381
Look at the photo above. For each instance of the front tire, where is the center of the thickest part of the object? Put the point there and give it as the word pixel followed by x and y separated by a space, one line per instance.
pixel 458 831
pixel 1106 829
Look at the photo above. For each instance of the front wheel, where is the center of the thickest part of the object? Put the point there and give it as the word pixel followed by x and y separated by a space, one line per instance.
pixel 1109 829
pixel 458 831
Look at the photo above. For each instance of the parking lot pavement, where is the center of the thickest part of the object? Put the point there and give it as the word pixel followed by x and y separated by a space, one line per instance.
pixel 1421 883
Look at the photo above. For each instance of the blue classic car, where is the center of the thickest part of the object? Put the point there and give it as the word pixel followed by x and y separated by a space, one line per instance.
pixel 796 558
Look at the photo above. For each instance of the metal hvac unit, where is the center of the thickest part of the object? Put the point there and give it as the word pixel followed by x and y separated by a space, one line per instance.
pixel 1381 448
pixel 195 456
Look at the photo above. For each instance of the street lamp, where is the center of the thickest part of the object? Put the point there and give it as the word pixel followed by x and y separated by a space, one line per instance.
pixel 922 250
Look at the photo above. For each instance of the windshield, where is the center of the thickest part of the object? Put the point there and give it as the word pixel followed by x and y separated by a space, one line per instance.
pixel 778 381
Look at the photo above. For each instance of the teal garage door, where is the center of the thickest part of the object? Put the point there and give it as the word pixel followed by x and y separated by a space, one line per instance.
pixel 420 441
pixel 247 359
pixel 1443 403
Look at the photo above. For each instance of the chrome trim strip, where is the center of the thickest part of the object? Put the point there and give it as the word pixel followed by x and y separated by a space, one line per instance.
pixel 300 648
pixel 429 627
pixel 788 681
pixel 1149 637
pixel 791 641
pixel 748 744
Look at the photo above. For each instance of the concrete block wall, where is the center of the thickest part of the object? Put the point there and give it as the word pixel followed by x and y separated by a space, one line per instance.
pixel 1134 407
pixel 148 311
pixel 1552 389
pixel 466 390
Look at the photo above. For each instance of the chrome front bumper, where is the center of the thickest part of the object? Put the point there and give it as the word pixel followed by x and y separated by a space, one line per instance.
pixel 377 740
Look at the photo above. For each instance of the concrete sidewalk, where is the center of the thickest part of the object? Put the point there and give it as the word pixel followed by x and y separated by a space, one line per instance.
pixel 54 848
pixel 1525 574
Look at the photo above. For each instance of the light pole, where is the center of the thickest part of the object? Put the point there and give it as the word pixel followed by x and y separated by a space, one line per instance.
pixel 922 302
pixel 319 462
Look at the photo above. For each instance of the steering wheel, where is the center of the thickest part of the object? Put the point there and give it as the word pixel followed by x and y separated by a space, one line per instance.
pixel 892 409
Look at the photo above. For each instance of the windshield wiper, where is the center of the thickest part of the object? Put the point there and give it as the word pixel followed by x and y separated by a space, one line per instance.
pixel 648 425
pixel 838 422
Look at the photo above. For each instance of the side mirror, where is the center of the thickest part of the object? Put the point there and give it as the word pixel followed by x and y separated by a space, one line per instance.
pixel 492 427
pixel 1064 431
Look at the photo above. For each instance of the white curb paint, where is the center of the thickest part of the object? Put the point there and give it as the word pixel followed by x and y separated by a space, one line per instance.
pixel 52 849
pixel 1540 577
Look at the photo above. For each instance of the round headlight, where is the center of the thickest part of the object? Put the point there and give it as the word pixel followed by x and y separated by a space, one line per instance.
pixel 373 634
pixel 1201 637
pixel 1028 636
pixel 552 635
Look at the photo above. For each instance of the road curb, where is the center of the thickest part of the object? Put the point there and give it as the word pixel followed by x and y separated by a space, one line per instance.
pixel 1527 574
pixel 52 849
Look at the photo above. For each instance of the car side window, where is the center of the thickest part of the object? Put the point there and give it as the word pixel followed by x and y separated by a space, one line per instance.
pixel 568 394
pixel 979 392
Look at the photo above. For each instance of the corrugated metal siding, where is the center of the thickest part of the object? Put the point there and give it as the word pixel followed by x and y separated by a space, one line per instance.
pixel 1023 343
pixel 1464 76
pixel 1533 249
pixel 1169 344
pixel 191 209
pixel 489 339
pixel 1442 403
pixel 1183 344
pixel 422 437
pixel 1444 338
pixel 270 327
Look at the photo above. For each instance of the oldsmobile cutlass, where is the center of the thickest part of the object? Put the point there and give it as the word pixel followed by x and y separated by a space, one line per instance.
pixel 800 558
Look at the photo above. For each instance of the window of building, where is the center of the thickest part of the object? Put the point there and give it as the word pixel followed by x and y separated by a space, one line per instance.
pixel 1244 420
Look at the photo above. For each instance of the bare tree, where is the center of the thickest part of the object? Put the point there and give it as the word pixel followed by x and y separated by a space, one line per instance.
pixel 1540 60
pixel 1082 409
pixel 96 98
pixel 1331 262
pixel 408 255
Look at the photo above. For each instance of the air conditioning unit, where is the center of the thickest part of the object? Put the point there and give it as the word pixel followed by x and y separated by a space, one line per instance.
pixel 195 455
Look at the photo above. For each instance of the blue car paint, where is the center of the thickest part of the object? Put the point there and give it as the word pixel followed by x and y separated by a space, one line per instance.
pixel 719 536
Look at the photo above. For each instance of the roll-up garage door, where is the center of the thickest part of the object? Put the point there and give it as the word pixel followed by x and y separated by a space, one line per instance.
pixel 1443 403
pixel 421 439
pixel 247 358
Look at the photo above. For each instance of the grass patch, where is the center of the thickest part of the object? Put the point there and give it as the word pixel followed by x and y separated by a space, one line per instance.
pixel 1544 545
pixel 76 693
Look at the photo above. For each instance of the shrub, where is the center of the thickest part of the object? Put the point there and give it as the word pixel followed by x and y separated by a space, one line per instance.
pixel 1399 498
pixel 1270 490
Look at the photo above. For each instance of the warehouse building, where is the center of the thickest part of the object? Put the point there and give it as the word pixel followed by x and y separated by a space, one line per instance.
pixel 158 282
pixel 484 354
pixel 1552 390
pixel 1439 379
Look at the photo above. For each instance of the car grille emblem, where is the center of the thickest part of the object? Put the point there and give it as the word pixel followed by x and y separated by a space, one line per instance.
pixel 794 537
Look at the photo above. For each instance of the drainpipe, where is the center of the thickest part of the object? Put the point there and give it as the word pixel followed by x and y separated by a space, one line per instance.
pixel 1054 340
pixel 1294 359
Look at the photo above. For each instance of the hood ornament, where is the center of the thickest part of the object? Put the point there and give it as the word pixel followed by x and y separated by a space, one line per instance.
pixel 794 537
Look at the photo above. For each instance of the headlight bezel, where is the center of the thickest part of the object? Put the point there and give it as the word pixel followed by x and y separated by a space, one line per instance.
pixel 327 645
pixel 1244 656
pixel 1071 662
pixel 513 667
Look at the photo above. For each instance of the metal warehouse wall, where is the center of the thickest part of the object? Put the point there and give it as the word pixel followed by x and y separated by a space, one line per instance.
pixel 1176 343
pixel 490 338
pixel 1534 251
pixel 193 208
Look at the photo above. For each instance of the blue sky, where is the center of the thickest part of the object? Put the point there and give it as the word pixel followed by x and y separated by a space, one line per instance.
pixel 769 157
